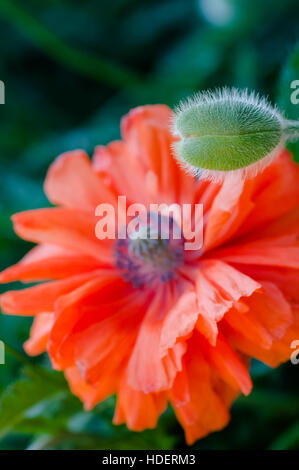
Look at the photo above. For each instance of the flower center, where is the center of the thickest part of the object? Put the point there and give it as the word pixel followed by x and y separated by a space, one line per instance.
pixel 151 253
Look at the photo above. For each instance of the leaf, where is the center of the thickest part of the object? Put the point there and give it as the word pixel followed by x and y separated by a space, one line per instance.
pixel 20 398
pixel 40 425
pixel 287 440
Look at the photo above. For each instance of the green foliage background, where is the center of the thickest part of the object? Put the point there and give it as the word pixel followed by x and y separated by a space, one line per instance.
pixel 71 70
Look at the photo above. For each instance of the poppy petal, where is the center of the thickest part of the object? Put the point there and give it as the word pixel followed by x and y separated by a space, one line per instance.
pixel 39 334
pixel 72 182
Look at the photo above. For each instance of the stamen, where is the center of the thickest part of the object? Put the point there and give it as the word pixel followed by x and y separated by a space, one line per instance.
pixel 150 256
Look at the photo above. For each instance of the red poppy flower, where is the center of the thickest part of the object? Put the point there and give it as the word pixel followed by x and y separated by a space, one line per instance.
pixel 157 327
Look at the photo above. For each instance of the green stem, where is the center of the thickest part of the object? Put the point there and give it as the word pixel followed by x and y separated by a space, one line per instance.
pixel 18 356
pixel 86 64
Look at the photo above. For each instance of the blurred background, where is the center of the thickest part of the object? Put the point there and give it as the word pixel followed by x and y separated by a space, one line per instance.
pixel 71 69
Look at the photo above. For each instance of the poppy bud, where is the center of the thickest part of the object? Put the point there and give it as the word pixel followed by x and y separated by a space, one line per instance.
pixel 226 132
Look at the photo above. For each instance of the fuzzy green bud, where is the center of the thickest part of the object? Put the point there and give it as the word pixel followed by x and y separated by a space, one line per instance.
pixel 225 131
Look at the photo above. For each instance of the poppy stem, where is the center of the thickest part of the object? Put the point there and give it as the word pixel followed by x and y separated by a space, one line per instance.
pixel 20 357
pixel 86 64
